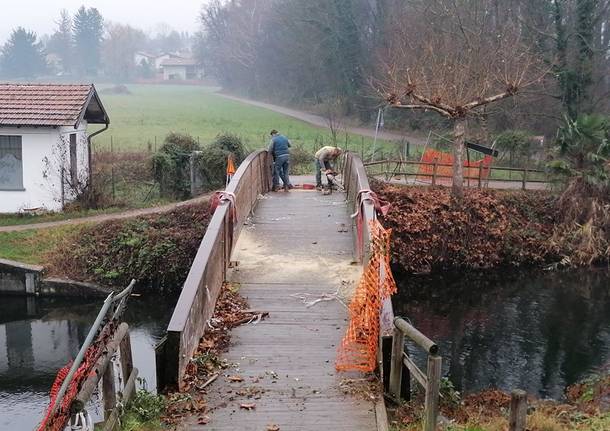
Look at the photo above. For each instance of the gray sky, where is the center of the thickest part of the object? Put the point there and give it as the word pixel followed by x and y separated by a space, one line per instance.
pixel 40 15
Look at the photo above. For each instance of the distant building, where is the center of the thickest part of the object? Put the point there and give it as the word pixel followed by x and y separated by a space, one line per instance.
pixel 44 148
pixel 181 69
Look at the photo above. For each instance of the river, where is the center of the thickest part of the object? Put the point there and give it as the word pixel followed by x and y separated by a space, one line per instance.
pixel 538 331
pixel 531 330
pixel 38 336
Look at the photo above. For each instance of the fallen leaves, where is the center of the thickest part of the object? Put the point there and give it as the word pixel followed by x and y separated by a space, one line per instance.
pixel 247 406
pixel 273 427
pixel 235 379
pixel 490 228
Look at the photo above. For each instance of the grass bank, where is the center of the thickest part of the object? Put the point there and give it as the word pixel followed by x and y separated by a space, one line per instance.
pixel 585 408
pixel 34 246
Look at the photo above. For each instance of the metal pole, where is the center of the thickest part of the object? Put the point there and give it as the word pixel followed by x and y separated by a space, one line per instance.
pixel 81 352
pixel 90 336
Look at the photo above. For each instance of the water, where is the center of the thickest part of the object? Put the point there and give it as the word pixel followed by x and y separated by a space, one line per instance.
pixel 536 331
pixel 38 336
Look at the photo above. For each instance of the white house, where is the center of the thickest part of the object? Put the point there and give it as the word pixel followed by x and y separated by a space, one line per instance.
pixel 181 69
pixel 44 147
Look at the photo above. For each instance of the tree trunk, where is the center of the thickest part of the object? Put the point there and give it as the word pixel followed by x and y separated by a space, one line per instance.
pixel 459 142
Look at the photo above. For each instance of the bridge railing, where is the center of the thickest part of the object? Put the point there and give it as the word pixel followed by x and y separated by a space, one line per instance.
pixel 209 268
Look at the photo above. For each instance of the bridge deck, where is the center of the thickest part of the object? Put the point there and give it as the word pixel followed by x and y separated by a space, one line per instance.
pixel 297 243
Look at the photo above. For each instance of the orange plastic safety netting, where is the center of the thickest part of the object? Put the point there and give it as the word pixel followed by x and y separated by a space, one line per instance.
pixel 358 349
pixel 473 169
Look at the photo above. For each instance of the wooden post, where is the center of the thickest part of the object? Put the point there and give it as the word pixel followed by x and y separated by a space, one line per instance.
pixel 432 392
pixel 108 390
pixel 480 174
pixel 398 342
pixel 126 357
pixel 524 178
pixel 434 167
pixel 518 410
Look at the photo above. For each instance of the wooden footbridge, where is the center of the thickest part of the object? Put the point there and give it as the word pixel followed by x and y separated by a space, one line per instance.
pixel 294 255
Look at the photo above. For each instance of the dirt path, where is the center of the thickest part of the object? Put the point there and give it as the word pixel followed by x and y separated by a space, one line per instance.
pixel 319 121
pixel 104 217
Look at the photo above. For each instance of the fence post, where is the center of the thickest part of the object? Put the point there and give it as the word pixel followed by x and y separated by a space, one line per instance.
pixel 433 380
pixel 524 178
pixel 518 410
pixel 434 168
pixel 398 342
pixel 108 390
pixel 480 174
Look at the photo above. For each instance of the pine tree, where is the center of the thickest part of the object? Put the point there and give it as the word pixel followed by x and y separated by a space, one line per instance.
pixel 22 55
pixel 88 31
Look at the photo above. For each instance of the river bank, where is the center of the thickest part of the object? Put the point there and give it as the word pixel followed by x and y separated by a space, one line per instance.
pixel 489 229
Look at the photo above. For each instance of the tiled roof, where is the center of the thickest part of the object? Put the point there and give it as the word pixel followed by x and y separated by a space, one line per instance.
pixel 46 104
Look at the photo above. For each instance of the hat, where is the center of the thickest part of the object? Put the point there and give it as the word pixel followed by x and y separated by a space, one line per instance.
pixel 274 132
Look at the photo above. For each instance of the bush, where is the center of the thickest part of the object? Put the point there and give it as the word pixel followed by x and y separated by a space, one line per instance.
pixel 156 250
pixel 212 161
pixel 171 165
pixel 516 143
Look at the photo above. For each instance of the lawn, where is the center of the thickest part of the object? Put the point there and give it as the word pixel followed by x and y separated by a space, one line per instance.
pixel 32 246
pixel 140 120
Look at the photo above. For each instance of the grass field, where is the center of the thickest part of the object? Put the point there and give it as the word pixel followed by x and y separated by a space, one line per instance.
pixel 145 116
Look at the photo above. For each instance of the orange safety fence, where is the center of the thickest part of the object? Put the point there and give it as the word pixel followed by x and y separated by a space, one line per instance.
pixel 444 173
pixel 358 349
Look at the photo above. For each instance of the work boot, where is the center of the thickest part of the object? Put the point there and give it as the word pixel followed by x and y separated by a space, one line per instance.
pixel 290 186
pixel 286 188
pixel 274 189
pixel 319 187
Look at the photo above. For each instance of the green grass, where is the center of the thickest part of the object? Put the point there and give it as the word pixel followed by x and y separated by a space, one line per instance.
pixel 32 246
pixel 152 111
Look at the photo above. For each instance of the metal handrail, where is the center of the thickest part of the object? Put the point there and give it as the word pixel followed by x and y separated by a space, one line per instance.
pixel 110 299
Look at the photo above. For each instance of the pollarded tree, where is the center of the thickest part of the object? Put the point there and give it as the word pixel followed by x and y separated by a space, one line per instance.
pixel 453 57
pixel 22 55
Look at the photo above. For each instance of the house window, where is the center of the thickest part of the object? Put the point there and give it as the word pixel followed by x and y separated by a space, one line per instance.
pixel 11 163
pixel 73 166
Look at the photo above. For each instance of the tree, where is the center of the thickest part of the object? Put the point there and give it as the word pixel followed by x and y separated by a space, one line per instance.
pixel 88 31
pixel 454 57
pixel 61 41
pixel 119 48
pixel 22 55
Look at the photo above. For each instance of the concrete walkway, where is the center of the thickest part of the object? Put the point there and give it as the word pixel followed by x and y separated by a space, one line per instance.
pixel 297 248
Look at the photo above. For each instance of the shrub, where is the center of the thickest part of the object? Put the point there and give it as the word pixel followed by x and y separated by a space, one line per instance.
pixel 171 165
pixel 516 143
pixel 212 161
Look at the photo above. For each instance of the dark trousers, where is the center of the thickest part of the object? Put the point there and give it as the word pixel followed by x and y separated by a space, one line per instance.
pixel 281 169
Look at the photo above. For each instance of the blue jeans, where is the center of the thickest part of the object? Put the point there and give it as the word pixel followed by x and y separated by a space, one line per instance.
pixel 281 169
pixel 319 171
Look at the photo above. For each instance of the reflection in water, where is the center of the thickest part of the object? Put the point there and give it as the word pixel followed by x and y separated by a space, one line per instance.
pixel 535 331
pixel 38 336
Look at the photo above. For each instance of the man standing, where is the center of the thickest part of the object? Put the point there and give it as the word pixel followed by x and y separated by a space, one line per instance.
pixel 279 150
pixel 325 157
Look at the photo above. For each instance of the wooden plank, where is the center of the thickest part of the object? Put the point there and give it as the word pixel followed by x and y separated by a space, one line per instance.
pixel 290 356
pixel 415 371
pixel 433 377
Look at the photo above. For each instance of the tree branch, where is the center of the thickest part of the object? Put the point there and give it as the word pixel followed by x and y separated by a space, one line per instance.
pixel 423 107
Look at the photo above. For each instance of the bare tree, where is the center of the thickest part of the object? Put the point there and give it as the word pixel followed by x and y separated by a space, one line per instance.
pixel 453 57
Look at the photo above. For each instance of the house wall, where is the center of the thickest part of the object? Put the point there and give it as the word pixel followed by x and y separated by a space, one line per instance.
pixel 43 153
pixel 174 72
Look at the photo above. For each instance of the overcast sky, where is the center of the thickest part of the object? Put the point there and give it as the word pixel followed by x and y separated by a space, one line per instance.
pixel 40 15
